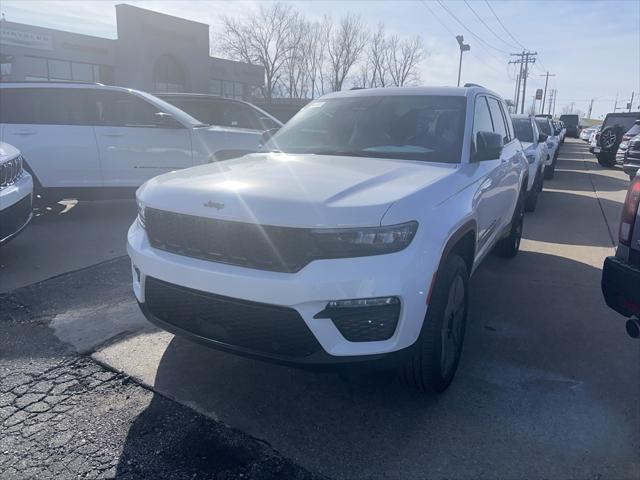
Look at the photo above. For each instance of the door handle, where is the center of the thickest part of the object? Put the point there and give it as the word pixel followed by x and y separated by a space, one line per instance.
pixel 113 134
pixel 25 132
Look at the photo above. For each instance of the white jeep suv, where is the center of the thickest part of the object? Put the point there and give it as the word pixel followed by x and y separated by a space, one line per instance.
pixel 87 140
pixel 16 190
pixel 350 238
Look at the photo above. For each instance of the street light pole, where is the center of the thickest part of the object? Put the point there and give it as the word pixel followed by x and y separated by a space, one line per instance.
pixel 463 48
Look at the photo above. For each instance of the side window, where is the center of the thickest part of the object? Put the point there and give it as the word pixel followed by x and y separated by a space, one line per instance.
pixel 498 119
pixel 14 109
pixel 241 116
pixel 117 109
pixel 42 106
pixel 481 120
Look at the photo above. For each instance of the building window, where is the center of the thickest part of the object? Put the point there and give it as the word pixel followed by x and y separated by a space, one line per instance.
pixel 52 70
pixel 169 76
pixel 227 89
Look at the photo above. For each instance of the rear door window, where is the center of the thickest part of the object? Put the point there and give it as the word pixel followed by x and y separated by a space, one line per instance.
pixel 118 109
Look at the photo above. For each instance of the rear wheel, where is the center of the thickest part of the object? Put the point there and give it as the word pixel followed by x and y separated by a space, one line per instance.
pixel 607 160
pixel 437 354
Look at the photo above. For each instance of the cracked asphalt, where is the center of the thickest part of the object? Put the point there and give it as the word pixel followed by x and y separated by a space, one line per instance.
pixel 63 415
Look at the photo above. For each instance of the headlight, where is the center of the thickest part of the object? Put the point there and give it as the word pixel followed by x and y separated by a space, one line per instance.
pixel 141 219
pixel 531 158
pixel 357 242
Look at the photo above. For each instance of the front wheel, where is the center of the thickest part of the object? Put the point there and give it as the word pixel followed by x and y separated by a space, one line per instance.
pixel 510 246
pixel 435 360
pixel 532 196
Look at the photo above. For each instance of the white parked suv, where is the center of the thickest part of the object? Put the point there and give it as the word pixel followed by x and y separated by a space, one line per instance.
pixel 82 139
pixel 349 239
pixel 553 145
pixel 535 148
pixel 16 191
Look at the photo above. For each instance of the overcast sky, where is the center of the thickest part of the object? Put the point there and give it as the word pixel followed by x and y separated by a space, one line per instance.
pixel 593 47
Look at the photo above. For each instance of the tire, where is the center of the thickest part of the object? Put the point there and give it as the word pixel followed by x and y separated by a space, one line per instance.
pixel 510 246
pixel 532 197
pixel 610 138
pixel 606 160
pixel 549 171
pixel 438 350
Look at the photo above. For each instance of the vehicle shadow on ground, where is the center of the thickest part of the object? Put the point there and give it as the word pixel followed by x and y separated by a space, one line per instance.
pixel 516 387
pixel 578 180
pixel 584 227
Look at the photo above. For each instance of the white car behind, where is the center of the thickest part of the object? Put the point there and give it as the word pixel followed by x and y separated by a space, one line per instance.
pixel 86 140
pixel 16 190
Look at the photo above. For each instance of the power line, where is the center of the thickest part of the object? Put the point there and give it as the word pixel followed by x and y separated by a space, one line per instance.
pixel 437 18
pixel 502 25
pixel 488 27
pixel 468 30
pixel 493 58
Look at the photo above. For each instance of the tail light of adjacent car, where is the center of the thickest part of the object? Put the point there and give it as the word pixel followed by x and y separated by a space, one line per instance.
pixel 626 137
pixel 629 212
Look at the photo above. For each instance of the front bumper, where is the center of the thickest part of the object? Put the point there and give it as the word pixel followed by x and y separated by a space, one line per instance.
pixel 621 286
pixel 404 274
pixel 15 207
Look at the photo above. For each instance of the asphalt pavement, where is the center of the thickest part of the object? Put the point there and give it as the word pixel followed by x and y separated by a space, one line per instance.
pixel 547 386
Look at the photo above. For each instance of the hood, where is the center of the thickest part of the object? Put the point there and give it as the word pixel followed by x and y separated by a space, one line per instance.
pixel 8 152
pixel 292 190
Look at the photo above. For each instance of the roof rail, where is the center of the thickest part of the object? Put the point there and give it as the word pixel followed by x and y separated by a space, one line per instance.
pixel 57 82
pixel 467 85
pixel 357 88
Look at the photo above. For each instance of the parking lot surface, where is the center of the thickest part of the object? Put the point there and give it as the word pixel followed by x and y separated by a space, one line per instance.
pixel 547 386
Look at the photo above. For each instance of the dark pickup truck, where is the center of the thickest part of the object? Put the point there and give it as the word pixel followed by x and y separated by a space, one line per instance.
pixel 621 273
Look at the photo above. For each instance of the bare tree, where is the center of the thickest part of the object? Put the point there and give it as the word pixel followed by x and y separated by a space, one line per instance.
pixel 375 71
pixel 265 38
pixel 404 56
pixel 345 43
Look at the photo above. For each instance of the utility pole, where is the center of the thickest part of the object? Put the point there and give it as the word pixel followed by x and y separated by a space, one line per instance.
pixel 631 102
pixel 521 55
pixel 590 108
pixel 555 97
pixel 546 83
pixel 552 96
pixel 525 59
pixel 615 105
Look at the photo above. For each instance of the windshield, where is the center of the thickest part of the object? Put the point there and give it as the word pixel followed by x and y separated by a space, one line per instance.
pixel 543 125
pixel 412 127
pixel 524 130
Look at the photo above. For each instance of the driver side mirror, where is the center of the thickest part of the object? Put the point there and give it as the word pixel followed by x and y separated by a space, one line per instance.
pixel 489 146
pixel 166 120
pixel 542 138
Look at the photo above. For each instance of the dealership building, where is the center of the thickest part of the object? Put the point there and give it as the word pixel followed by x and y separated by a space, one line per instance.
pixel 153 52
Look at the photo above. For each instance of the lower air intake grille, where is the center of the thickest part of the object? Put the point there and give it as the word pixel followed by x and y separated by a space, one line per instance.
pixel 258 327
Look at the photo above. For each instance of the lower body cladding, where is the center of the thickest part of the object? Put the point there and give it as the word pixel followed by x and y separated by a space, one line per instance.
pixel 340 312
pixel 15 207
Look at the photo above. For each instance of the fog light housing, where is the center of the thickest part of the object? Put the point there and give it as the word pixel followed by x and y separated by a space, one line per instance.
pixel 364 319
